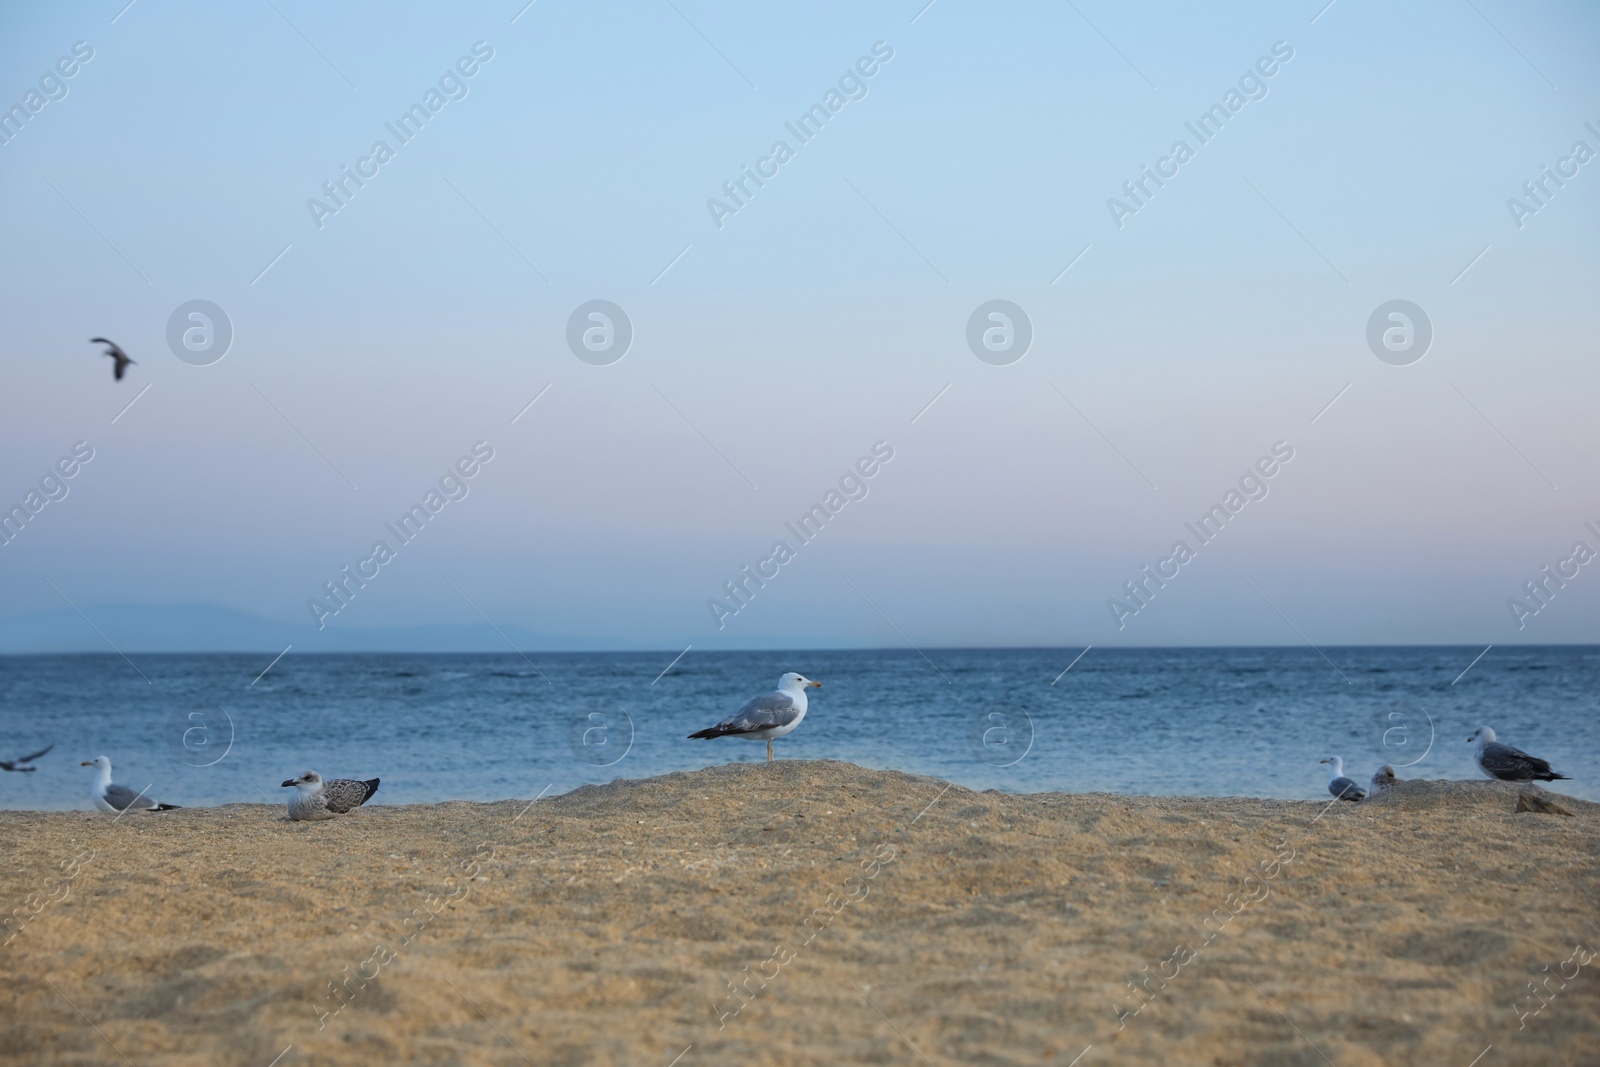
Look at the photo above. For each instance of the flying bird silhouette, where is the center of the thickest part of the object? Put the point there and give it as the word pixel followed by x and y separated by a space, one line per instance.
pixel 115 351
pixel 17 764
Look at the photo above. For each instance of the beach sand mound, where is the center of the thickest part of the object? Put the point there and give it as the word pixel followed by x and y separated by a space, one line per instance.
pixel 808 913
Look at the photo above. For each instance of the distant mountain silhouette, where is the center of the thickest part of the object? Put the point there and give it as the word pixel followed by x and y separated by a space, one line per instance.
pixel 211 628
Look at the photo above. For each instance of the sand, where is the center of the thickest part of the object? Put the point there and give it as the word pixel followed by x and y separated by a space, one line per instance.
pixel 809 913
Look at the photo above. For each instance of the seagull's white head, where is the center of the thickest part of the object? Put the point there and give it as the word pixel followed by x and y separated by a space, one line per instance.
pixel 99 763
pixel 1482 735
pixel 797 681
pixel 310 780
pixel 1336 763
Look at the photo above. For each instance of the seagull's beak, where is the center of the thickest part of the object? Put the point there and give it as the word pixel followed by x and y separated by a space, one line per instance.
pixel 810 683
pixel 288 783
pixel 87 763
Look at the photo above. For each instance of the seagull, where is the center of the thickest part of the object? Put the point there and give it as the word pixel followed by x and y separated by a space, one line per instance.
pixel 315 799
pixel 1384 778
pixel 1340 786
pixel 1509 764
pixel 767 716
pixel 17 764
pixel 108 796
pixel 115 352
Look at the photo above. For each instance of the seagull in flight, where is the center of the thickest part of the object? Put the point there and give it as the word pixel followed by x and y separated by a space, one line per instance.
pixel 315 799
pixel 17 764
pixel 115 351
pixel 108 796
pixel 1341 787
pixel 1509 764
pixel 767 716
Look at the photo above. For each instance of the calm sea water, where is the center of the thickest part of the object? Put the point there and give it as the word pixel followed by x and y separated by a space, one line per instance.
pixel 1250 722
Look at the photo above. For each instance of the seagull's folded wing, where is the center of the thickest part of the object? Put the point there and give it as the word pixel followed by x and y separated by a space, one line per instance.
pixel 1504 760
pixel 345 794
pixel 762 713
pixel 122 798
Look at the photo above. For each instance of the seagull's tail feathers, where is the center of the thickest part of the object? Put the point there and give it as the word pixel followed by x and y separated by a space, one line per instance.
pixel 710 731
pixel 372 787
pixel 166 807
pixel 1552 776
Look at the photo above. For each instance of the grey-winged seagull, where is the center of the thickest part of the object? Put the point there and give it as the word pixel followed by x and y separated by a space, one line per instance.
pixel 767 716
pixel 1384 778
pixel 115 351
pixel 1340 786
pixel 1509 764
pixel 315 799
pixel 108 796
pixel 21 762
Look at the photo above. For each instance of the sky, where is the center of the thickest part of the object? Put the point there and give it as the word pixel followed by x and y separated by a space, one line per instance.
pixel 1183 336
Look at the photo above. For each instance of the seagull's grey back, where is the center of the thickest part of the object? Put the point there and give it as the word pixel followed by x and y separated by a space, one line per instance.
pixel 122 798
pixel 768 709
pixel 1506 761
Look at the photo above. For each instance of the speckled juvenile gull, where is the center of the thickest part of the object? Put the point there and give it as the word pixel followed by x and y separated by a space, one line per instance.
pixel 315 799
pixel 767 716
pixel 1509 764
pixel 1339 785
pixel 1384 778
pixel 108 796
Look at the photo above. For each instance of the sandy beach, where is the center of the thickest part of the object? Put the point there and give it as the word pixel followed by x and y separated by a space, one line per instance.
pixel 809 913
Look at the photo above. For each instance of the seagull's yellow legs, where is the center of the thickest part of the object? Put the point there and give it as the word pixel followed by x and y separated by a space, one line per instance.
pixel 769 750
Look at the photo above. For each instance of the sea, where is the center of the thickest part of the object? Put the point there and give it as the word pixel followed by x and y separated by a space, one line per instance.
pixel 226 728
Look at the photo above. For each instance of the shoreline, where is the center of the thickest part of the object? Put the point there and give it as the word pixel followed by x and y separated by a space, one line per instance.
pixel 808 912
pixel 1554 789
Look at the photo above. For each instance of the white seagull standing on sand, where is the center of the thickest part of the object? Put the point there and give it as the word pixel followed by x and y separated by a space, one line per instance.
pixel 1509 764
pixel 108 796
pixel 767 716
pixel 315 799
pixel 1339 785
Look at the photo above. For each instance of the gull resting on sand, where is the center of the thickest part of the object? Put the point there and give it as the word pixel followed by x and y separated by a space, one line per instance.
pixel 1509 764
pixel 767 716
pixel 108 796
pixel 315 799
pixel 1340 786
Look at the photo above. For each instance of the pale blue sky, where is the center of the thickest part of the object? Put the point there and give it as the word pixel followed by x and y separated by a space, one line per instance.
pixel 822 318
